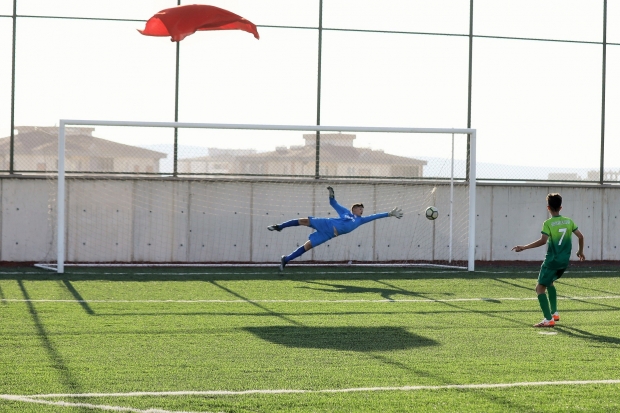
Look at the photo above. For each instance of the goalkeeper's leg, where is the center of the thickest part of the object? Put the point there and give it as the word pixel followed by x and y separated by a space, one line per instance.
pixel 291 223
pixel 295 254
pixel 314 240
pixel 298 252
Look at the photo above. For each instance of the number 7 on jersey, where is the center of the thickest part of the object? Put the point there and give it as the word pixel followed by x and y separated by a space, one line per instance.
pixel 563 231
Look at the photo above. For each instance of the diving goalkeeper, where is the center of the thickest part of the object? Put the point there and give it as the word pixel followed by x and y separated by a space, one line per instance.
pixel 328 228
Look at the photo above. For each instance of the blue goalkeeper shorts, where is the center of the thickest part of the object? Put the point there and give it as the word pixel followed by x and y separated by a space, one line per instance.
pixel 324 231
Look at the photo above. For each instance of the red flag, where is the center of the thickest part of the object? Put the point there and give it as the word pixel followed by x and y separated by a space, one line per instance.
pixel 181 21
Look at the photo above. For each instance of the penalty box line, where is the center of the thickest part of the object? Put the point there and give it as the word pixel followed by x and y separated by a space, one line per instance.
pixel 40 399
pixel 302 391
pixel 33 399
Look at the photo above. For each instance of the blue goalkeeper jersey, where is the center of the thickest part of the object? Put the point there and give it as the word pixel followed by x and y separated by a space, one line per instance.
pixel 347 221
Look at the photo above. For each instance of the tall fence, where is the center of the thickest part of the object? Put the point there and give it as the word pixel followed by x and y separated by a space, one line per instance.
pixel 127 151
pixel 497 67
pixel 124 150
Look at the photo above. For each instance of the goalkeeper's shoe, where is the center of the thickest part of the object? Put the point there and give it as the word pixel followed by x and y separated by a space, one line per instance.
pixel 274 227
pixel 282 263
pixel 556 316
pixel 545 323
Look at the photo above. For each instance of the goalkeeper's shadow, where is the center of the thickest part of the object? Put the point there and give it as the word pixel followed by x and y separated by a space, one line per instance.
pixel 345 338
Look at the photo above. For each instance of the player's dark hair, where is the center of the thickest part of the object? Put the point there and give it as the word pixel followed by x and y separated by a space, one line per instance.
pixel 554 201
pixel 357 205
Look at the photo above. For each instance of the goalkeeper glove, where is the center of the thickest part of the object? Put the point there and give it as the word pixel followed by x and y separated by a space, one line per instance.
pixel 396 212
pixel 331 192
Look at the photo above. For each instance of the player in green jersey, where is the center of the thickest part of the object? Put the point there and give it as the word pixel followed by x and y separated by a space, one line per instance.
pixel 556 233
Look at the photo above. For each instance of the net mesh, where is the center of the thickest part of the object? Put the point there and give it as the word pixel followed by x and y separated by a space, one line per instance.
pixel 216 208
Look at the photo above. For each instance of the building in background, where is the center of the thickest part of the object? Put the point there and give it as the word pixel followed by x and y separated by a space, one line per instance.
pixel 36 149
pixel 563 176
pixel 338 157
pixel 218 161
pixel 607 175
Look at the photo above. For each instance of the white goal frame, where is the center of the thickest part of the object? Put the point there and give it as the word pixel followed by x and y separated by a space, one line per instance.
pixel 61 200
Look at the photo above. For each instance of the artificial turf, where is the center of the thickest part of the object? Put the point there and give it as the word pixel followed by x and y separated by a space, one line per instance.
pixel 314 339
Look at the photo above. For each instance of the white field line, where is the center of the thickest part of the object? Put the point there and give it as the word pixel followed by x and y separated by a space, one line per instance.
pixel 417 300
pixel 27 399
pixel 39 398
pixel 299 391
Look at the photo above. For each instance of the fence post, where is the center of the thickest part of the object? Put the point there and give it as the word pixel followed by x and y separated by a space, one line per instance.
pixel 317 171
pixel 602 166
pixel 12 138
pixel 471 45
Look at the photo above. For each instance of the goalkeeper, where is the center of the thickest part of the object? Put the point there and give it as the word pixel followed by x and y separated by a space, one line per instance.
pixel 328 228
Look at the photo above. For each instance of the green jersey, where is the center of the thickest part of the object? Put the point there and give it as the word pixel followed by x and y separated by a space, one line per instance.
pixel 559 245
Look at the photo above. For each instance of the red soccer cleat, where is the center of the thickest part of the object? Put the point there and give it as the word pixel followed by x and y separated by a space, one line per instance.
pixel 545 323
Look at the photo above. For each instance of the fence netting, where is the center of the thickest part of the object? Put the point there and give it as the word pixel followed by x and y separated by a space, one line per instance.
pixel 218 152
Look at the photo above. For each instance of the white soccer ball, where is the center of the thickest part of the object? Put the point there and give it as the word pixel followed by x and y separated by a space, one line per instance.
pixel 431 213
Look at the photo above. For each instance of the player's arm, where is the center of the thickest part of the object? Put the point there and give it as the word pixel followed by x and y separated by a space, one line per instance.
pixel 539 243
pixel 339 208
pixel 579 236
pixel 332 201
pixel 396 212
pixel 368 218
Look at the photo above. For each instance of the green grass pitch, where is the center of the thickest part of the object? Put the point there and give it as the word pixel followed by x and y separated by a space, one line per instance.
pixel 313 340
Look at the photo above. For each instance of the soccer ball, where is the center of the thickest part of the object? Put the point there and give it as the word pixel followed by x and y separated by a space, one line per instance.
pixel 431 213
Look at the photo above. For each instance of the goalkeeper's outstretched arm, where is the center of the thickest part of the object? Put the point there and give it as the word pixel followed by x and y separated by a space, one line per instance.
pixel 332 201
pixel 396 213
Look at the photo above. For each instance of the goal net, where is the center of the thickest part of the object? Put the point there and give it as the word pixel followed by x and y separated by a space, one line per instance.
pixel 190 194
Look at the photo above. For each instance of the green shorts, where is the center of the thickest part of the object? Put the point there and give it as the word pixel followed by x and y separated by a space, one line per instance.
pixel 547 276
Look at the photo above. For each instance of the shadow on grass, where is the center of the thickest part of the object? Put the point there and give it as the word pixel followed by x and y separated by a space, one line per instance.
pixel 586 335
pixel 529 288
pixel 254 303
pixel 385 293
pixel 566 281
pixel 342 338
pixel 58 364
pixel 78 297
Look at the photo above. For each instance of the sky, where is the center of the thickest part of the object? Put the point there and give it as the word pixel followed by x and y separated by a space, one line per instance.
pixel 534 103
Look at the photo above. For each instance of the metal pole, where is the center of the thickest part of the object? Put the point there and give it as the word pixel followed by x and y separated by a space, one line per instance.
pixel 60 202
pixel 12 143
pixel 471 253
pixel 471 46
pixel 176 115
pixel 175 151
pixel 317 165
pixel 602 166
pixel 451 199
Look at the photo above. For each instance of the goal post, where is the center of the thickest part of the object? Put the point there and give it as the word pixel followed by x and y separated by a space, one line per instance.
pixel 388 189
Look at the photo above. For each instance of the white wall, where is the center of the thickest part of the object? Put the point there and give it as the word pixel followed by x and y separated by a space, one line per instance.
pixel 184 220
pixel 517 212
